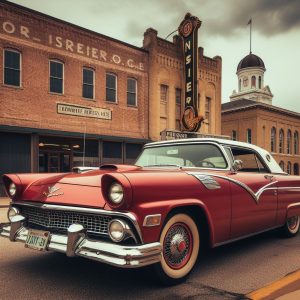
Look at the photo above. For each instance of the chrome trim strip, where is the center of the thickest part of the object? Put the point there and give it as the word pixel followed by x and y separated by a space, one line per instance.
pixel 75 243
pixel 254 195
pixel 98 211
pixel 245 236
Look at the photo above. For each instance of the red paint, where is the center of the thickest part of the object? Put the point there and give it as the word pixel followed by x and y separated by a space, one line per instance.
pixel 230 211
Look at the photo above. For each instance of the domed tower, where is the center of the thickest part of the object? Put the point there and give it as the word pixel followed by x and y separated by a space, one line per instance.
pixel 250 72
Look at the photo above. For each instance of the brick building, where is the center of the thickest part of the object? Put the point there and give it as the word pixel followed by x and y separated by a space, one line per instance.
pixel 251 117
pixel 166 82
pixel 71 97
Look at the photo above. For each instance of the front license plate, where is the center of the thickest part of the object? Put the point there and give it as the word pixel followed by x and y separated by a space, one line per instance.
pixel 37 239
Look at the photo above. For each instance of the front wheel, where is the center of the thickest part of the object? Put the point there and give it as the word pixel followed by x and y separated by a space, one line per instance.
pixel 291 227
pixel 180 247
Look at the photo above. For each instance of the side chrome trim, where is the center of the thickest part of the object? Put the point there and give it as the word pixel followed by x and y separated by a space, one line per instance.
pixel 254 195
pixel 293 204
pixel 245 236
pixel 97 211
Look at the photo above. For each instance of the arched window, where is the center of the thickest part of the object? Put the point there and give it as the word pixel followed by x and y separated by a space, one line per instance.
pixel 281 141
pixel 253 81
pixel 259 82
pixel 296 169
pixel 289 142
pixel 289 167
pixel 240 84
pixel 273 139
pixel 281 164
pixel 296 142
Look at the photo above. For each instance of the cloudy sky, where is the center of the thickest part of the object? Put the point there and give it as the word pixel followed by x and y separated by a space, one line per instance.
pixel 224 32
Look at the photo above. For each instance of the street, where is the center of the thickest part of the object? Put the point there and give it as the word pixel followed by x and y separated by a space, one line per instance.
pixel 226 272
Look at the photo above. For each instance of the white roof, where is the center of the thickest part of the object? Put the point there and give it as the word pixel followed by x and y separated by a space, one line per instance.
pixel 271 163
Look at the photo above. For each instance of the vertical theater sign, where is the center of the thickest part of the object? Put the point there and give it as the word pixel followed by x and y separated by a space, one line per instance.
pixel 188 30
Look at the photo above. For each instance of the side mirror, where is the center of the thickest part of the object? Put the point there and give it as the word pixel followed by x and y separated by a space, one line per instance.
pixel 237 165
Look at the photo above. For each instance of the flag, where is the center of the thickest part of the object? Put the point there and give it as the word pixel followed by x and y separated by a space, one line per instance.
pixel 250 21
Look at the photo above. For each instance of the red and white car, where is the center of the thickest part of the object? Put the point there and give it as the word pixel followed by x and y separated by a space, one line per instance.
pixel 158 212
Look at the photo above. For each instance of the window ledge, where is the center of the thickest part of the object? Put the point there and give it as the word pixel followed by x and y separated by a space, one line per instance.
pixel 109 102
pixel 56 94
pixel 12 86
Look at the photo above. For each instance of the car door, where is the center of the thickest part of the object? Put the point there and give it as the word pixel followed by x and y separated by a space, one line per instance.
pixel 254 194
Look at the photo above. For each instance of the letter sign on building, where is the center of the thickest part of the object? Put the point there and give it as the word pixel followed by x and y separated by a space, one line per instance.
pixel 188 30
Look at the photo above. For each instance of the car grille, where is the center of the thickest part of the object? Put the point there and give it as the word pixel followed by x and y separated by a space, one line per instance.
pixel 61 220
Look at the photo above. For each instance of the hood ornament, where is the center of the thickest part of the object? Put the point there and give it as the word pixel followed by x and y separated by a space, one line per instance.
pixel 51 192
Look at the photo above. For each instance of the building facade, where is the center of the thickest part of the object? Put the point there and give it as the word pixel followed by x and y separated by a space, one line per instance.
pixel 251 117
pixel 72 97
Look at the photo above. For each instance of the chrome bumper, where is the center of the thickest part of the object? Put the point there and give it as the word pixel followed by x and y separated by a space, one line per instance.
pixel 76 243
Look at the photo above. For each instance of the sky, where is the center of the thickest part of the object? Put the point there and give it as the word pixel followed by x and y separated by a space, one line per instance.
pixel 224 31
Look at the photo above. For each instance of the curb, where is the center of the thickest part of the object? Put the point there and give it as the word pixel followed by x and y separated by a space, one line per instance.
pixel 289 283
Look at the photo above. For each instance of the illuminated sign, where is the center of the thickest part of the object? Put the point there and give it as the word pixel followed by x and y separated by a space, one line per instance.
pixel 188 30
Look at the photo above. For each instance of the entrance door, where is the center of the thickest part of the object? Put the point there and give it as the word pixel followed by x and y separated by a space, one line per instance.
pixel 53 163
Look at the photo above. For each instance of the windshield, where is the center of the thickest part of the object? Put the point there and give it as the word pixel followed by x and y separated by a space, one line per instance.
pixel 187 155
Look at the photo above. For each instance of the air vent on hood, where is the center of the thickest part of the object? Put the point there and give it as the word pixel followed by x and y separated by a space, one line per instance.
pixel 108 167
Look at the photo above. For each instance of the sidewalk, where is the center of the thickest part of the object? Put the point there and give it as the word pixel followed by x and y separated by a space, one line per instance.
pixel 4 202
pixel 286 288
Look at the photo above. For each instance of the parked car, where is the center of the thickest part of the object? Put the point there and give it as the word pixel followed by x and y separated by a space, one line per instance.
pixel 159 211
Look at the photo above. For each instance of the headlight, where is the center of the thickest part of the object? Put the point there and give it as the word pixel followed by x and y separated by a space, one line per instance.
pixel 116 230
pixel 12 189
pixel 116 193
pixel 12 211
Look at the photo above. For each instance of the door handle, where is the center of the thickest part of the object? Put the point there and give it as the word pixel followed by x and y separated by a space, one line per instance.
pixel 270 177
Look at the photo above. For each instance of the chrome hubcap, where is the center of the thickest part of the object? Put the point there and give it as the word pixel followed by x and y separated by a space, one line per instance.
pixel 293 222
pixel 177 246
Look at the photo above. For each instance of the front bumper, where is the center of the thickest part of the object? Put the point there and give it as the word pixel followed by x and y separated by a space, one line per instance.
pixel 76 243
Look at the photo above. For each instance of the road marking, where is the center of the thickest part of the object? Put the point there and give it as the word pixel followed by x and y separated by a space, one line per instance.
pixel 275 286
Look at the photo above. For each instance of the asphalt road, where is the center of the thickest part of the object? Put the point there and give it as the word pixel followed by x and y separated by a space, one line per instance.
pixel 226 272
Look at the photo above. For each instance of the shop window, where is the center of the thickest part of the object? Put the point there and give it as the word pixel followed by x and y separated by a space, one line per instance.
pixel 111 87
pixel 234 135
pixel 131 92
pixel 56 77
pixel 112 152
pixel 12 68
pixel 296 143
pixel 273 139
pixel 85 153
pixel 132 152
pixel 253 82
pixel 289 142
pixel 289 167
pixel 178 109
pixel 88 83
pixel 249 136
pixel 281 141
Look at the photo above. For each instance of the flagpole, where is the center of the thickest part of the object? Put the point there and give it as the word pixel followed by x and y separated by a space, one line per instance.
pixel 250 35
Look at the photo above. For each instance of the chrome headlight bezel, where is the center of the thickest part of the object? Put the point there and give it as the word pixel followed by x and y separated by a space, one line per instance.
pixel 12 189
pixel 12 211
pixel 122 230
pixel 116 193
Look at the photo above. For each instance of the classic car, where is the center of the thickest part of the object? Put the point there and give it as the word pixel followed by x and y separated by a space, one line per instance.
pixel 179 195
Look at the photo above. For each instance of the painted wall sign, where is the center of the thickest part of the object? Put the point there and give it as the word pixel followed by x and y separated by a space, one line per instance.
pixel 84 111
pixel 188 30
pixel 69 45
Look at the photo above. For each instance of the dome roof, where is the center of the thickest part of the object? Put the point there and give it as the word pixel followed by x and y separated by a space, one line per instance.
pixel 251 61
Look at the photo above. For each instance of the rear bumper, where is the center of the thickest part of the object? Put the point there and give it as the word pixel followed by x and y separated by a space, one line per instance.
pixel 76 243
